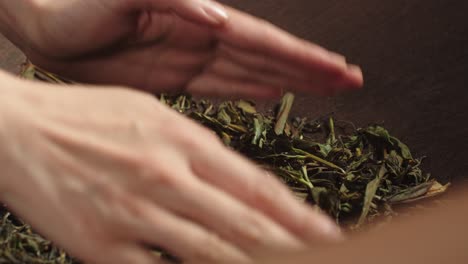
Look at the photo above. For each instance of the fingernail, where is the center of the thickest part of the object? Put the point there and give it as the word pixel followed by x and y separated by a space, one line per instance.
pixel 215 13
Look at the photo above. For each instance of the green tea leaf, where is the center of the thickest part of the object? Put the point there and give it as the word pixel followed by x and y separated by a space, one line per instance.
pixel 403 148
pixel 411 193
pixel 371 190
pixel 355 175
pixel 223 117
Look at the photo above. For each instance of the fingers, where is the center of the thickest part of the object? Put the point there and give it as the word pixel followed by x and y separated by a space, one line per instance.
pixel 338 58
pixel 201 11
pixel 238 73
pixel 225 69
pixel 215 85
pixel 260 62
pixel 255 36
pixel 232 220
pixel 182 59
pixel 249 33
pixel 186 239
pixel 229 69
pixel 230 172
pixel 291 70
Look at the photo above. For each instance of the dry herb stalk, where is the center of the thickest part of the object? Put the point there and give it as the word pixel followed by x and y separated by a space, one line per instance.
pixel 19 244
pixel 354 175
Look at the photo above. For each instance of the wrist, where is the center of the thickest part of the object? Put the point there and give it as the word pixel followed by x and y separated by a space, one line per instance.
pixel 13 92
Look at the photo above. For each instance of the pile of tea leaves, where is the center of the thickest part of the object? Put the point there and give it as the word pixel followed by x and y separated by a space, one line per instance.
pixel 19 244
pixel 355 175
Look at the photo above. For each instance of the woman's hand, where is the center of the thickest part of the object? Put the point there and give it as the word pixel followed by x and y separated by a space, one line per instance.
pixel 172 45
pixel 104 172
pixel 437 234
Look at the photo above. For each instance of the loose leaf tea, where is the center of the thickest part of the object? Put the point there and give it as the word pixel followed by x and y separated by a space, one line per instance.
pixel 355 175
pixel 19 244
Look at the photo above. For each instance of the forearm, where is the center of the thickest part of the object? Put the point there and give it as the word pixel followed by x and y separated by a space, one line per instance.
pixel 440 236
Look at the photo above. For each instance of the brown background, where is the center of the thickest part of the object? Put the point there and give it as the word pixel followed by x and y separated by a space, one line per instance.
pixel 414 54
pixel 415 57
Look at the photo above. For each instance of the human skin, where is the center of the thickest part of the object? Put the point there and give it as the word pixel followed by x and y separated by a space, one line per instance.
pixel 103 170
pixel 140 44
pixel 437 236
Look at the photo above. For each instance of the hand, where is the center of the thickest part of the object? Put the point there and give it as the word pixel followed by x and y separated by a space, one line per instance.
pixel 103 171
pixel 161 45
pixel 432 234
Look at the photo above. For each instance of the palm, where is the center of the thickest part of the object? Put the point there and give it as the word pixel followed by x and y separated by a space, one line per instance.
pixel 164 52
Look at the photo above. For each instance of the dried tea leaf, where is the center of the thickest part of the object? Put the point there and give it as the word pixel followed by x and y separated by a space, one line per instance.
pixel 382 134
pixel 247 107
pixel 260 132
pixel 283 113
pixel 411 193
pixel 355 175
pixel 223 117
pixel 29 71
pixel 371 190
pixel 435 189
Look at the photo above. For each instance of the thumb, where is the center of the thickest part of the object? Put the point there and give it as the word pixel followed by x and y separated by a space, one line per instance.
pixel 206 12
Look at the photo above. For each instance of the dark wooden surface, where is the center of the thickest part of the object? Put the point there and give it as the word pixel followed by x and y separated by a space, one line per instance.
pixel 415 58
pixel 10 57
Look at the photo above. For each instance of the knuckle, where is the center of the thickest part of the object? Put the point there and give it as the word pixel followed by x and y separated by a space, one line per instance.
pixel 189 140
pixel 155 172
